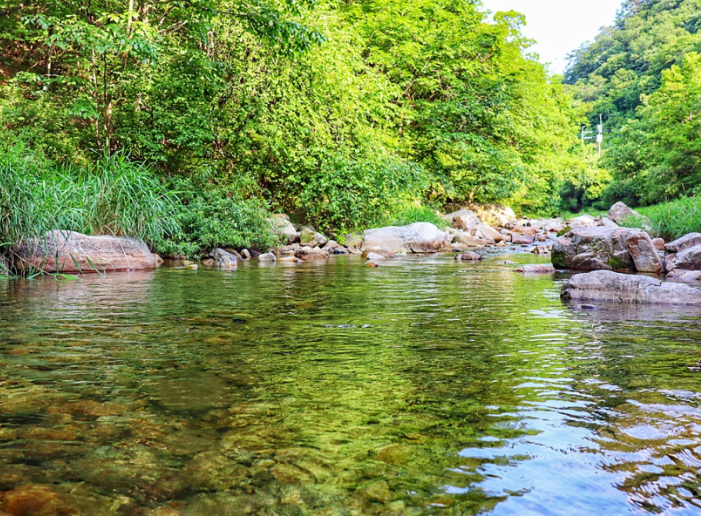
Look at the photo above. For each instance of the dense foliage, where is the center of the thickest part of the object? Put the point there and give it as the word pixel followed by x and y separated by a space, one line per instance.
pixel 643 75
pixel 342 114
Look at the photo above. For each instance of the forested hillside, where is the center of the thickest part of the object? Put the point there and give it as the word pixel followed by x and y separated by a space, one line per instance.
pixel 205 114
pixel 643 74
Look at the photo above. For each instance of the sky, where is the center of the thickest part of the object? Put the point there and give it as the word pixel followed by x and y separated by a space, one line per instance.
pixel 559 26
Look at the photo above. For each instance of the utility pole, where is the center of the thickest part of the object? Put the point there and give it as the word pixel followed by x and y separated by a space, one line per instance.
pixel 589 135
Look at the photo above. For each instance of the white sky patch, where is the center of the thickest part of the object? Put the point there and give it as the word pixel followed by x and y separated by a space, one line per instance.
pixel 559 26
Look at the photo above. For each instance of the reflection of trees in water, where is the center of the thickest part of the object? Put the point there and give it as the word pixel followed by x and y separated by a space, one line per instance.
pixel 467 387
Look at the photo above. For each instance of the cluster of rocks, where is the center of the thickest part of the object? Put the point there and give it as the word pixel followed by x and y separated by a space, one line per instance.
pixel 610 251
pixel 302 243
pixel 468 230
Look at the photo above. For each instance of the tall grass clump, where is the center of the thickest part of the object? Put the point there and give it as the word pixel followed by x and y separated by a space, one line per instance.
pixel 669 220
pixel 113 196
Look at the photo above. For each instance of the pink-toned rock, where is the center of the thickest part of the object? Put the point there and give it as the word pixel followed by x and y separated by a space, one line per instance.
pixel 626 288
pixel 372 265
pixel 469 257
pixel 518 238
pixel 690 240
pixel 643 252
pixel 658 243
pixel 472 241
pixel 74 253
pixel 536 269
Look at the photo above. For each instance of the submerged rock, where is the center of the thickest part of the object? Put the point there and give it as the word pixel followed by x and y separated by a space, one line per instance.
pixel 35 500
pixel 74 253
pixel 625 288
pixel 420 237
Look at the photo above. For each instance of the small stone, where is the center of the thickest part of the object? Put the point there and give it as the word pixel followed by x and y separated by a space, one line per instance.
pixel 245 255
pixel 374 257
pixel 536 269
pixel 469 257
pixel 192 267
pixel 208 262
pixel 372 264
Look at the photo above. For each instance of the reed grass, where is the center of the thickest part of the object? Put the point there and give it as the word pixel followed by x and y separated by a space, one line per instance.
pixel 113 196
pixel 670 220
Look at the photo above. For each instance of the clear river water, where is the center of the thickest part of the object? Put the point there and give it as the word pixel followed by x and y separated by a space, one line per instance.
pixel 424 387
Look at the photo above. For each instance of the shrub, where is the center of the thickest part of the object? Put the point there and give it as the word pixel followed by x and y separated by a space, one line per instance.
pixel 211 216
pixel 348 194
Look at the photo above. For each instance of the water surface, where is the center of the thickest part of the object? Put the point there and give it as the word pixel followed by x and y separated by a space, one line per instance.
pixel 425 387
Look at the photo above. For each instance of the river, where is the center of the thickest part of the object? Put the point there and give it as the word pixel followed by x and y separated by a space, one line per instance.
pixel 424 387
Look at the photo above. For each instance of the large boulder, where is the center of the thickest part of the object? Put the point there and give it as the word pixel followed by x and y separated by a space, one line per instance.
pixel 463 219
pixel 624 288
pixel 74 253
pixel 419 237
pixel 284 228
pixel 619 212
pixel 602 248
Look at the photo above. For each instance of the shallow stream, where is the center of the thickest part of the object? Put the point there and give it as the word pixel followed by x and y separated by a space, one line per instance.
pixel 424 387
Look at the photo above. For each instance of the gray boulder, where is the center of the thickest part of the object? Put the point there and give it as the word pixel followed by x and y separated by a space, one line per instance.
pixel 602 248
pixel 420 237
pixel 223 259
pixel 623 288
